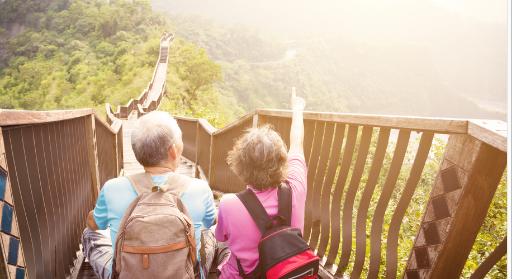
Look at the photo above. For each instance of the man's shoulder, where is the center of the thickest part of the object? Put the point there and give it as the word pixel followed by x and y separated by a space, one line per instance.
pixel 116 184
pixel 195 185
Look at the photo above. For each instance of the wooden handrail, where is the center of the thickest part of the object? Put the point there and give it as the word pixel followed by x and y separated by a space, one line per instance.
pixel 438 125
pixel 492 132
pixel 56 162
pixel 473 144
pixel 10 117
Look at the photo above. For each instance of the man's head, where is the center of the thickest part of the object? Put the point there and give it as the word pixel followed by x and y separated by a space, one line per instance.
pixel 156 140
pixel 259 158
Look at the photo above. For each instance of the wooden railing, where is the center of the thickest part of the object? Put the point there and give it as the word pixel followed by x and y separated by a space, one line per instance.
pixel 151 97
pixel 53 164
pixel 357 166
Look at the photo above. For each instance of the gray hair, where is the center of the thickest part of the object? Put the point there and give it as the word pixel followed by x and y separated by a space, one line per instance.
pixel 154 133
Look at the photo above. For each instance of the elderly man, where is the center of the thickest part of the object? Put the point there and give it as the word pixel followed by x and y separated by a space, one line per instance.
pixel 157 145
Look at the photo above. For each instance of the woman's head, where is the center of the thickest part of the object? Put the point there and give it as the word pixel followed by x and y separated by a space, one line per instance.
pixel 259 158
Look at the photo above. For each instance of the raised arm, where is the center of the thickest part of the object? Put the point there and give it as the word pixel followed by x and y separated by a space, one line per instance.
pixel 297 129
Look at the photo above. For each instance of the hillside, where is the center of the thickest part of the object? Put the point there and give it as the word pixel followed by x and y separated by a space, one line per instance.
pixel 82 53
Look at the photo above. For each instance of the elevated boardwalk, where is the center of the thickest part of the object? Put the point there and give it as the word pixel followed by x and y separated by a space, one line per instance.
pixel 364 172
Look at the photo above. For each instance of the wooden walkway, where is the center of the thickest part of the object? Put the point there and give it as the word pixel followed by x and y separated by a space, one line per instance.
pixel 131 166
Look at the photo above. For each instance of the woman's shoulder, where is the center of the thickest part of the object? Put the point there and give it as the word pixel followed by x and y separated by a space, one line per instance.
pixel 229 201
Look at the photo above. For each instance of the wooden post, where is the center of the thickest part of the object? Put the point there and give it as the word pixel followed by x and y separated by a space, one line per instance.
pixel 90 130
pixel 255 121
pixel 463 191
pixel 196 167
pixel 211 166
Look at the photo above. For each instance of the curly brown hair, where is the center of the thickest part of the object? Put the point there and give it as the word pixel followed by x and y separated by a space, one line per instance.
pixel 259 158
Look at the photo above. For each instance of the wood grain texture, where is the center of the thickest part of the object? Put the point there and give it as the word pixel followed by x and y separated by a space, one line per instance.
pixel 364 203
pixel 485 165
pixel 497 254
pixel 348 205
pixel 438 125
pixel 312 167
pixel 20 117
pixel 337 196
pixel 403 203
pixel 339 135
pixel 382 204
pixel 325 153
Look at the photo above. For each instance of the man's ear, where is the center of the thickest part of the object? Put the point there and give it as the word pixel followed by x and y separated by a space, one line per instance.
pixel 172 152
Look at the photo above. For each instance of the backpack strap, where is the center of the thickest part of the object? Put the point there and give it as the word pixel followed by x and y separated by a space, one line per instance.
pixel 141 182
pixel 175 184
pixel 284 196
pixel 255 208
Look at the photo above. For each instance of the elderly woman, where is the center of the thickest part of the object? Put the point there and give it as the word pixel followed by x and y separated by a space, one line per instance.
pixel 261 160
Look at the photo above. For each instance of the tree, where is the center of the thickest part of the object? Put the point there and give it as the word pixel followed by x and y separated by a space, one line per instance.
pixel 195 69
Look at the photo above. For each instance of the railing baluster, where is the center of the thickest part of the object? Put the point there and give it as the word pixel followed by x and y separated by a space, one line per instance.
pixel 403 203
pixel 77 181
pixel 50 142
pixel 313 164
pixel 327 187
pixel 337 196
pixel 362 212
pixel 45 167
pixel 318 182
pixel 68 201
pixel 346 247
pixel 38 172
pixel 309 133
pixel 382 204
pixel 22 209
pixel 499 252
pixel 26 192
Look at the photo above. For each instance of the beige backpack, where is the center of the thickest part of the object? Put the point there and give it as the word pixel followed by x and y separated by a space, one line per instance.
pixel 156 235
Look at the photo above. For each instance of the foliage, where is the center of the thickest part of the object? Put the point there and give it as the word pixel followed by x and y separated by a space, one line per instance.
pixel 192 73
pixel 81 56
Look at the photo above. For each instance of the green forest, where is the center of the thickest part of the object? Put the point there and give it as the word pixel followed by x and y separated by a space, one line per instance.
pixel 60 54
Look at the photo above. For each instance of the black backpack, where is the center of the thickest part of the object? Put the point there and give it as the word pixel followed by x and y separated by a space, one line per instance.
pixel 283 253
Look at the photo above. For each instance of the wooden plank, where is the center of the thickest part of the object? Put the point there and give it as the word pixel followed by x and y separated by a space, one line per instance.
pixel 65 234
pixel 491 260
pixel 78 182
pixel 364 203
pixel 54 177
pixel 484 166
pixel 40 132
pixel 339 135
pixel 309 133
pixel 313 164
pixel 438 125
pixel 346 245
pixel 382 204
pixel 39 190
pixel 240 121
pixel 337 196
pixel 318 183
pixel 492 132
pixel 403 203
pixel 23 191
pixel 92 153
pixel 10 117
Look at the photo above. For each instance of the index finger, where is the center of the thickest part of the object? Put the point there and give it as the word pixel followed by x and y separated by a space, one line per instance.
pixel 294 94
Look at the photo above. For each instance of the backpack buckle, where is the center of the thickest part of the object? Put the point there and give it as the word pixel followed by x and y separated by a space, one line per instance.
pixel 158 188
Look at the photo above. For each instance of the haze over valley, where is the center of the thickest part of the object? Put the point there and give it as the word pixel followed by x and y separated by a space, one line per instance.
pixel 425 58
